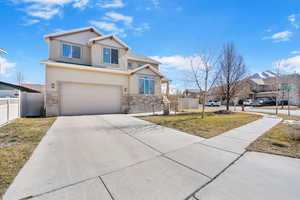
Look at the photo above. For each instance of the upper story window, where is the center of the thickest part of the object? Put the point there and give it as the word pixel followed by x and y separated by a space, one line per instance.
pixel 140 64
pixel 146 85
pixel 71 51
pixel 110 56
pixel 130 64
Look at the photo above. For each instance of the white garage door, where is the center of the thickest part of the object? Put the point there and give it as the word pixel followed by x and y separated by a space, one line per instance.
pixel 85 99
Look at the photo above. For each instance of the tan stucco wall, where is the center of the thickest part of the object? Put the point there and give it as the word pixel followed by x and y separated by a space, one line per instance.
pixel 97 55
pixel 55 76
pixel 79 39
pixel 55 49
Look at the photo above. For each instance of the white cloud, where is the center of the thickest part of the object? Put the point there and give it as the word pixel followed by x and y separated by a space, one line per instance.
pixel 5 65
pixel 280 36
pixel 295 52
pixel 80 3
pixel 47 9
pixel 290 64
pixel 108 27
pixel 118 23
pixel 30 22
pixel 111 4
pixel 293 20
pixel 177 61
pixel 114 16
pixel 43 12
pixel 143 27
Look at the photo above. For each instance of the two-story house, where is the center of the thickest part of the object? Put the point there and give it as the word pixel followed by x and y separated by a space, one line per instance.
pixel 91 73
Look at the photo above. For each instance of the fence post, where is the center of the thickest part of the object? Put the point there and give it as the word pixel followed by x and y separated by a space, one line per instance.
pixel 7 104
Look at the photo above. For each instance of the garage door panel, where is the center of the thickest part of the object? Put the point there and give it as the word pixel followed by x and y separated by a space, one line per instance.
pixel 81 99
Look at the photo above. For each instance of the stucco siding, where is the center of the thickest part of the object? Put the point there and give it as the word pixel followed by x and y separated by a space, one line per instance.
pixel 55 48
pixel 78 38
pixel 56 76
pixel 97 57
pixel 110 43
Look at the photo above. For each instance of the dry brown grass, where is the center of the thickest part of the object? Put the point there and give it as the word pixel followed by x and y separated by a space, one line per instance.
pixel 279 140
pixel 17 141
pixel 212 125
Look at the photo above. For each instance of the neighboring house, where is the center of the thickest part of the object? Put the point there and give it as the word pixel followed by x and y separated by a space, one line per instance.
pixel 194 93
pixel 91 73
pixel 8 90
pixel 266 87
pixel 31 101
pixel 36 87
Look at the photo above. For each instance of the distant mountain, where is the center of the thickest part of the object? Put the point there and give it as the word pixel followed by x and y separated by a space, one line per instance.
pixel 266 74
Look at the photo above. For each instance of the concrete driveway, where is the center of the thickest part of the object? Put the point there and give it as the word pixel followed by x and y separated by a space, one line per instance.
pixel 117 157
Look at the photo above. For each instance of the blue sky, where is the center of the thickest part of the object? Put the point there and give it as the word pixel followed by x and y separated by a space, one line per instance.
pixel 171 30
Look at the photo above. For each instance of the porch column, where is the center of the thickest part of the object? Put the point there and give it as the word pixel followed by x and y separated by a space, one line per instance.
pixel 168 89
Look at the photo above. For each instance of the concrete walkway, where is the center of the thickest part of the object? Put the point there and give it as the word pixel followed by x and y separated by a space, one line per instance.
pixel 273 111
pixel 118 157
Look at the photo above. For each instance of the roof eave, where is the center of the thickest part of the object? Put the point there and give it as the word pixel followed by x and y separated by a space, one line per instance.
pixel 50 36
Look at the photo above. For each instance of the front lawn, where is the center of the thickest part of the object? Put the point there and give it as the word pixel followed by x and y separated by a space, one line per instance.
pixel 212 125
pixel 279 140
pixel 17 141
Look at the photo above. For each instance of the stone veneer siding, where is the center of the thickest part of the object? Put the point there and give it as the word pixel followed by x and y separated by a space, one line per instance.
pixel 52 103
pixel 140 103
pixel 130 103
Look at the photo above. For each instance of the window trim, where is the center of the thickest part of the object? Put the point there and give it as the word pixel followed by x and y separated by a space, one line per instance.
pixel 149 79
pixel 71 45
pixel 110 55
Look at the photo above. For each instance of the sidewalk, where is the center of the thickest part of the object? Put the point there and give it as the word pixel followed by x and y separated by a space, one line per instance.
pixel 252 175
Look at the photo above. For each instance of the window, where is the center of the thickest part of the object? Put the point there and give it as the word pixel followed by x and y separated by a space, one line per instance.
pixel 146 85
pixel 71 51
pixel 110 56
pixel 140 65
pixel 130 64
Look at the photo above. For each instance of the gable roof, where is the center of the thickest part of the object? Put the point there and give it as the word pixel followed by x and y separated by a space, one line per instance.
pixel 36 87
pixel 92 40
pixel 72 31
pixel 148 66
pixel 18 87
pixel 257 81
pixel 142 58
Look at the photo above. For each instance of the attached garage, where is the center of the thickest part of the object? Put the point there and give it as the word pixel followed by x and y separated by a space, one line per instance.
pixel 88 99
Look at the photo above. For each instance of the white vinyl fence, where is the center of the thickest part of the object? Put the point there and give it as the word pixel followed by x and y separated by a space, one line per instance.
pixel 31 104
pixel 9 109
pixel 188 103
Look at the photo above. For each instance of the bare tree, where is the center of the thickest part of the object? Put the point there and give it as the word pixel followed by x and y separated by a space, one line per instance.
pixel 19 78
pixel 202 68
pixel 277 67
pixel 231 73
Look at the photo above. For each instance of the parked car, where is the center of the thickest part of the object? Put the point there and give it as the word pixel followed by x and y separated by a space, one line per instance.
pixel 213 103
pixel 264 101
pixel 248 102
